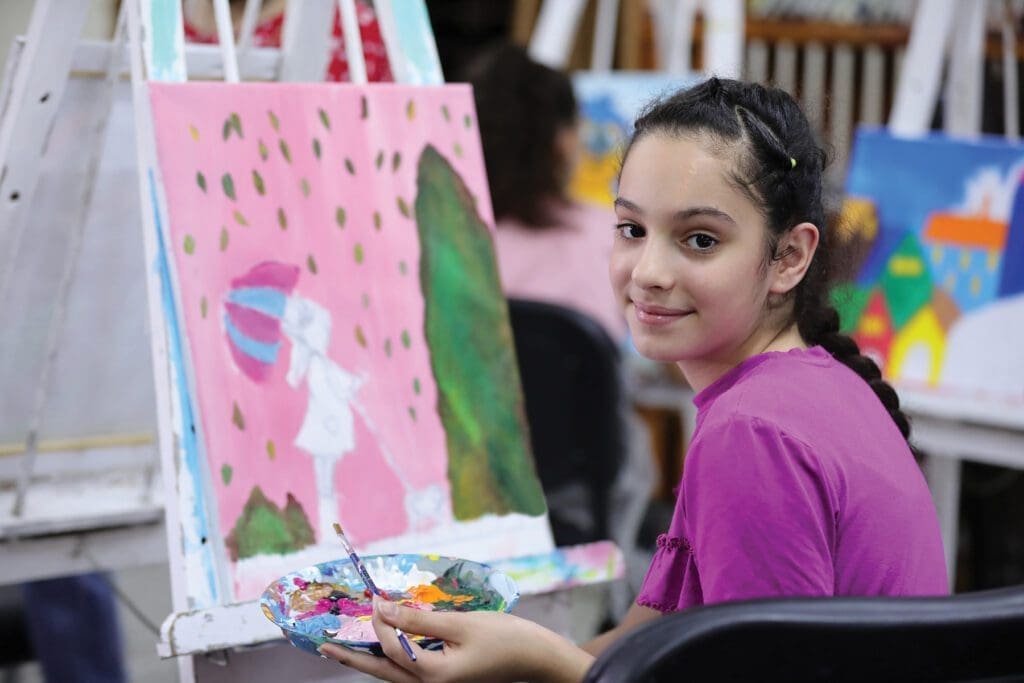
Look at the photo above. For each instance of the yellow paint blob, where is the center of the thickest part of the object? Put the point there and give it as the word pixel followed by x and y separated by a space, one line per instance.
pixel 872 325
pixel 905 266
pixel 194 132
pixel 936 255
pixel 921 337
pixel 993 260
pixel 965 259
pixel 975 285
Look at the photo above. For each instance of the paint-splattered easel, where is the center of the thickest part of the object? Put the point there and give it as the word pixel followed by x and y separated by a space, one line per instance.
pixel 206 625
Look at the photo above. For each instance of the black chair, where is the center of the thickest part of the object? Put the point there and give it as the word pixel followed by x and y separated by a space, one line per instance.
pixel 569 368
pixel 15 647
pixel 967 637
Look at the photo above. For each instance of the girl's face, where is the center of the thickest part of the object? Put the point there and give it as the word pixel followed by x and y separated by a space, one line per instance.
pixel 688 262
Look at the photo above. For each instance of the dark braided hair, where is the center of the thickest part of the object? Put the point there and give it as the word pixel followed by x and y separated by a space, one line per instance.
pixel 779 167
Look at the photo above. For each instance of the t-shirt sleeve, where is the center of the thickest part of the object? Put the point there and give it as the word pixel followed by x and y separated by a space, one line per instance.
pixel 760 514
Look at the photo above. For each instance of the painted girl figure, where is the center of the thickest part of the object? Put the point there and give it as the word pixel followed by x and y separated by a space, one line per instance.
pixel 260 309
pixel 798 480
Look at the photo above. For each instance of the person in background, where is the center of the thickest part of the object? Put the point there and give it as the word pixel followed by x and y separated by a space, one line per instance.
pixel 799 480
pixel 549 246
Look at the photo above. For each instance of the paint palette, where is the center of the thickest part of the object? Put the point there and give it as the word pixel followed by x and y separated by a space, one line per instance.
pixel 328 603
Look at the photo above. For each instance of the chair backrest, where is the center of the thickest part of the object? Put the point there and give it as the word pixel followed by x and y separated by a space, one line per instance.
pixel 967 637
pixel 569 368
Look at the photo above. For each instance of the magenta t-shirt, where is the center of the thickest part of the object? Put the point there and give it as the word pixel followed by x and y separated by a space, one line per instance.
pixel 796 483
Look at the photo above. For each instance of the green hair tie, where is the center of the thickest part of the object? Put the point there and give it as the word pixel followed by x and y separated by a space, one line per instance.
pixel 792 163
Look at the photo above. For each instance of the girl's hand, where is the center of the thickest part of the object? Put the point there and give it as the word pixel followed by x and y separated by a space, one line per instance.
pixel 478 646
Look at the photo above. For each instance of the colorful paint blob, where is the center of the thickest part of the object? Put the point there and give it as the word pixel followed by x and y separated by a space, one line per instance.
pixel 328 602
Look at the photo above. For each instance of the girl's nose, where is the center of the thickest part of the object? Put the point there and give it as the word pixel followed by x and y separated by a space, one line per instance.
pixel 652 270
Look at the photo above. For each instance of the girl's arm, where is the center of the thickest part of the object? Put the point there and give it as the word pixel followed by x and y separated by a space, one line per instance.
pixel 637 615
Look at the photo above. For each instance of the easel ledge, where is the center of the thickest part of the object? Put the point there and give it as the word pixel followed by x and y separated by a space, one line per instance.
pixel 243 624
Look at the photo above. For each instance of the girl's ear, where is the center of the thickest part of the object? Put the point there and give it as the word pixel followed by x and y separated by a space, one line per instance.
pixel 795 252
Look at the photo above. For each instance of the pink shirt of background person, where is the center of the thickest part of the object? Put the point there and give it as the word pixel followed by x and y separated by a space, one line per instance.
pixel 564 265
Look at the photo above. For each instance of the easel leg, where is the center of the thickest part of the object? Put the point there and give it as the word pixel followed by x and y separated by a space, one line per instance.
pixel 943 474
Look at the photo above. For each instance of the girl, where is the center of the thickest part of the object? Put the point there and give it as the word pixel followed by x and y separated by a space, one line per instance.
pixel 798 480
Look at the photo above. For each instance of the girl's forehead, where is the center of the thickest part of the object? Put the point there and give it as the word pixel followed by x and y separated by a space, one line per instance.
pixel 666 167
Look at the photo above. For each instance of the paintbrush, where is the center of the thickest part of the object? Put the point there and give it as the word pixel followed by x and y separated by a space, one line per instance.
pixel 365 575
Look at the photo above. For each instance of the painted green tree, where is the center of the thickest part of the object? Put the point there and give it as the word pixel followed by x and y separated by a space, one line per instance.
pixel 264 528
pixel 471 350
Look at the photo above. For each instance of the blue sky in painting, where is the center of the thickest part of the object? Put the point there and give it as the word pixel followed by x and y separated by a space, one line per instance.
pixel 910 178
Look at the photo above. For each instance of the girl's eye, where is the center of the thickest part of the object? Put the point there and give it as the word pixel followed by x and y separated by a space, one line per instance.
pixel 701 242
pixel 630 231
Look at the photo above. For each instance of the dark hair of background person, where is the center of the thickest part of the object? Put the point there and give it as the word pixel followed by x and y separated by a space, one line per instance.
pixel 779 166
pixel 521 107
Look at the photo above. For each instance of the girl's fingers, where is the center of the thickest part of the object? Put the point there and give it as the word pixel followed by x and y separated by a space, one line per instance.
pixel 443 625
pixel 380 667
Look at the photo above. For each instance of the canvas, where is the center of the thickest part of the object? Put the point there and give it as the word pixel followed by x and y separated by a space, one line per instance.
pixel 934 231
pixel 344 340
pixel 609 103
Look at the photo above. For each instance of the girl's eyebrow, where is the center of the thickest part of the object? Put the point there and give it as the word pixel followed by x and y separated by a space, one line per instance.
pixel 681 215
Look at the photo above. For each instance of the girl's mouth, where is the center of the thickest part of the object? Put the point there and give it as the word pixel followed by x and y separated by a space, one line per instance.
pixel 650 314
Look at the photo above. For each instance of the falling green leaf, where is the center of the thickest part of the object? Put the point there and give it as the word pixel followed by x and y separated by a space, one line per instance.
pixel 311 264
pixel 402 268
pixel 358 252
pixel 264 152
pixel 360 337
pixel 190 244
pixel 339 216
pixel 416 385
pixel 349 166
pixel 240 219
pixel 225 132
pixel 223 238
pixel 396 161
pixel 257 180
pixel 445 113
pixel 387 347
pixel 225 473
pixel 376 220
pixel 324 119
pixel 285 152
pixel 458 150
pixel 236 416
pixel 194 132
pixel 410 110
pixel 316 148
pixel 304 186
pixel 363 107
pixel 274 123
pixel 271 449
pixel 412 413
pixel 228 183
pixel 203 306
pixel 467 121
pixel 201 181
pixel 403 208
pixel 282 219
pixel 379 161
pixel 406 339
pixel 236 123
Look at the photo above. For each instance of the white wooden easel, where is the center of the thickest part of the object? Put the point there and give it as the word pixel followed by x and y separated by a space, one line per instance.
pixel 559 20
pixel 951 431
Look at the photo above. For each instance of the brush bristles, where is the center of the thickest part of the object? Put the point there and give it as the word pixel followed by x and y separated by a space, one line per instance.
pixel 337 529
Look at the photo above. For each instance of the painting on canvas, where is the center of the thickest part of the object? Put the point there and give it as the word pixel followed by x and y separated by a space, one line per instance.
pixel 346 341
pixel 934 229
pixel 608 104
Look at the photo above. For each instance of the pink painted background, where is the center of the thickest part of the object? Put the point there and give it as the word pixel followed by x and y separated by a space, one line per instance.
pixel 380 296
